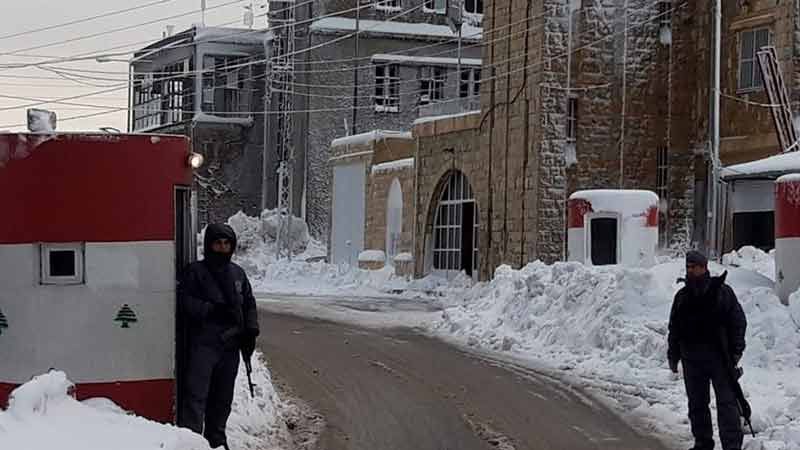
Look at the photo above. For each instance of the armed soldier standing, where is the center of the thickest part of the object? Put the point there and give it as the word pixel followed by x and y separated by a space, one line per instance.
pixel 219 312
pixel 706 334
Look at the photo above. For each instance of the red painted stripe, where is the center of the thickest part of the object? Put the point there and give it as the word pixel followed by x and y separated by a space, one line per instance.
pixel 787 209
pixel 578 208
pixel 95 188
pixel 153 399
pixel 652 217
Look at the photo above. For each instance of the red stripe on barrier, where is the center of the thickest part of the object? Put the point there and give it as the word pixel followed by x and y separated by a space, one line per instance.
pixel 153 399
pixel 95 188
pixel 578 208
pixel 652 217
pixel 787 209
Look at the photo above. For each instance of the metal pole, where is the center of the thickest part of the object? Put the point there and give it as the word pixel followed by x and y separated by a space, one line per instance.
pixel 355 69
pixel 130 96
pixel 713 173
pixel 267 117
pixel 458 67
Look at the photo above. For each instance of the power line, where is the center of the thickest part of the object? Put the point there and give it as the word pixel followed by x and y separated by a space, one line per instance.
pixel 87 19
pixel 116 30
pixel 589 45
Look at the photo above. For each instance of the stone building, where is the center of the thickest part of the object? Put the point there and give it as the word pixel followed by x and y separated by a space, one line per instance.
pixel 406 61
pixel 208 83
pixel 372 206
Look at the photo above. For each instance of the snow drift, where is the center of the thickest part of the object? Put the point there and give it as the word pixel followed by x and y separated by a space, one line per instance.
pixel 42 415
pixel 607 327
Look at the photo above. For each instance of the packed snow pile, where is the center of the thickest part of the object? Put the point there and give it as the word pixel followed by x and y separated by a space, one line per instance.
pixel 606 327
pixel 257 423
pixel 42 415
pixel 257 237
pixel 754 259
pixel 308 274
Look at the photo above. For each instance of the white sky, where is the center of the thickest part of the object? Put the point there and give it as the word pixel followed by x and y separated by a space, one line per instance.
pixel 23 15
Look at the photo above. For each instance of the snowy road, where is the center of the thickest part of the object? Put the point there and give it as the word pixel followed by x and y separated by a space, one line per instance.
pixel 395 389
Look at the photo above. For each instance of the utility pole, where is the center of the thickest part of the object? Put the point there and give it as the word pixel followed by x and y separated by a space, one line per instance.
pixel 355 68
pixel 712 188
pixel 283 72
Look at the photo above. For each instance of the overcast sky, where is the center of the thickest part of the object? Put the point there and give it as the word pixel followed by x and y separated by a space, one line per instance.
pixel 38 83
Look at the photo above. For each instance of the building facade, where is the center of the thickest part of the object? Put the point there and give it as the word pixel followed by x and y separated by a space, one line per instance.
pixel 208 83
pixel 406 61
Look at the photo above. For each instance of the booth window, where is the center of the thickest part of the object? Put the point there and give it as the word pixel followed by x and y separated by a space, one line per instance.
pixel 62 263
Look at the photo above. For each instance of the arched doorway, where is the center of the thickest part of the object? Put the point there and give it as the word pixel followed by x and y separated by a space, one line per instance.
pixel 455 227
pixel 394 219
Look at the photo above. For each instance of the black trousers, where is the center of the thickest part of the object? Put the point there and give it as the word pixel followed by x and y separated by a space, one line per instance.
pixel 698 375
pixel 210 377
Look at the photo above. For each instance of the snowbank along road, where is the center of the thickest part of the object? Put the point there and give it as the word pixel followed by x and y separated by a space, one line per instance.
pixel 397 390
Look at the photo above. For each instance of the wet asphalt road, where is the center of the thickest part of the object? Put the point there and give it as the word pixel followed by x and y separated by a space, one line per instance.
pixel 398 390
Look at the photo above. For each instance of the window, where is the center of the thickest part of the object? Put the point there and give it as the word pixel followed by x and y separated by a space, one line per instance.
pixel 662 173
pixel 62 263
pixel 754 228
pixel 432 81
pixel 387 88
pixel 473 6
pixel 665 13
pixel 226 85
pixel 470 83
pixel 435 6
pixel 162 97
pixel 572 119
pixel 749 71
pixel 455 229
pixel 388 5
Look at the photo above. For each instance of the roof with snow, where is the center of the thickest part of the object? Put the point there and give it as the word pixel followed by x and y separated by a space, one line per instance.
pixel 370 136
pixel 408 30
pixel 628 202
pixel 199 34
pixel 425 60
pixel 771 167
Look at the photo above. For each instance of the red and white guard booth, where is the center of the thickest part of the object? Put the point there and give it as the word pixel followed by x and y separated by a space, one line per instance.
pixel 613 227
pixel 787 235
pixel 93 227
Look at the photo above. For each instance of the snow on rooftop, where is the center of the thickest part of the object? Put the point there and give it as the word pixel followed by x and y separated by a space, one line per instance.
pixel 209 118
pixel 791 178
pixel 404 257
pixel 774 165
pixel 370 136
pixel 389 166
pixel 346 24
pixel 231 35
pixel 427 119
pixel 372 256
pixel 628 202
pixel 426 60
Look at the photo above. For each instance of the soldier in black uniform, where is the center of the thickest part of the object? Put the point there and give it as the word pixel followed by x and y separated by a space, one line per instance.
pixel 706 334
pixel 219 312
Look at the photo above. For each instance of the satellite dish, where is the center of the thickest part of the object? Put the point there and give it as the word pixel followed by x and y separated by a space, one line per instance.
pixel 41 121
pixel 455 14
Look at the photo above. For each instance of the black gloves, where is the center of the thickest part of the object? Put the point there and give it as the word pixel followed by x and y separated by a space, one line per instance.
pixel 673 366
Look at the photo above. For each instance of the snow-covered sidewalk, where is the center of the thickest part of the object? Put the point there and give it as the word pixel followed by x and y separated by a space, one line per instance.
pixel 43 416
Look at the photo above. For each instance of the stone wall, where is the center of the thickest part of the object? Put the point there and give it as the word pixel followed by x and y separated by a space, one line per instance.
pixel 329 96
pixel 443 146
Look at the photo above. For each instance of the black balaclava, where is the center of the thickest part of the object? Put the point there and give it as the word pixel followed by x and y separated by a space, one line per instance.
pixel 213 232
pixel 697 285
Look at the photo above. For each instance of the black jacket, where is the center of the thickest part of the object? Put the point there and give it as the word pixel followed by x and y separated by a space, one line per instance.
pixel 699 323
pixel 215 299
